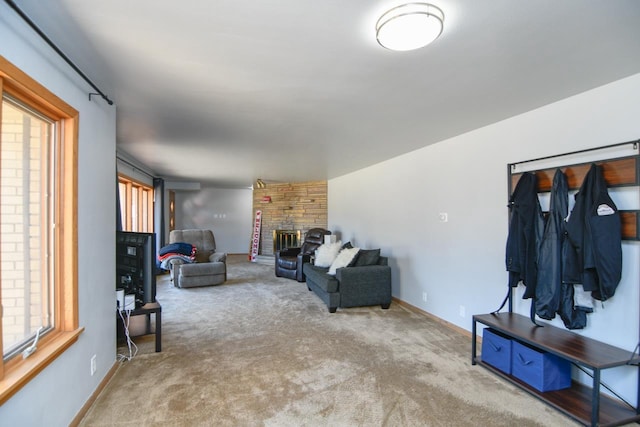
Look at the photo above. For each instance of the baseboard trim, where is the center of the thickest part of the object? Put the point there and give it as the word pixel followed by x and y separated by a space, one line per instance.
pixel 433 317
pixel 85 408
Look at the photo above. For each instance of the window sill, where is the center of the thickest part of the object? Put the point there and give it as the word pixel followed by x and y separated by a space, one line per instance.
pixel 16 376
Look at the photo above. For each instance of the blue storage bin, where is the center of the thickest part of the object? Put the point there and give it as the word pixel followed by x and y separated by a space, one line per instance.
pixel 496 350
pixel 542 371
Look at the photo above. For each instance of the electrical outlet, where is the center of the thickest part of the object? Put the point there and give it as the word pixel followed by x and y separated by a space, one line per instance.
pixel 424 296
pixel 93 365
pixel 463 311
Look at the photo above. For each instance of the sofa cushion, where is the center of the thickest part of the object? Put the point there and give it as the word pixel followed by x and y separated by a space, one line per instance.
pixel 203 240
pixel 326 253
pixel 367 257
pixel 288 262
pixel 203 255
pixel 344 258
pixel 203 269
pixel 196 281
pixel 319 276
pixel 218 257
pixel 308 248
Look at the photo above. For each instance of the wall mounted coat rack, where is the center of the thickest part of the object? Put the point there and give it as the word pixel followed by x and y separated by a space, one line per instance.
pixel 583 403
pixel 618 172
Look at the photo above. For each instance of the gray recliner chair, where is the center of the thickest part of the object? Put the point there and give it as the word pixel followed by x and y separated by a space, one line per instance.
pixel 210 267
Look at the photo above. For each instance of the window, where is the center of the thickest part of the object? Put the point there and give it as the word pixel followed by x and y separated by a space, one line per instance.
pixel 38 230
pixel 136 205
pixel 25 214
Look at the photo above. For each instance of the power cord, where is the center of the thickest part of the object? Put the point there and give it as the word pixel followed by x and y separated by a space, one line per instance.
pixel 133 348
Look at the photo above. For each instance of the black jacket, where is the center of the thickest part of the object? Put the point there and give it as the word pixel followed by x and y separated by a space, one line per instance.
pixel 594 255
pixel 525 233
pixel 548 289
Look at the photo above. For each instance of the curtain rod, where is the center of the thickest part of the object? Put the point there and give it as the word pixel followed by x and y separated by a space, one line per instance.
pixel 135 167
pixel 58 51
pixel 604 147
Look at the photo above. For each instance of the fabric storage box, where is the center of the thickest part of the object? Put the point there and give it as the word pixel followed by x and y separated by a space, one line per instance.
pixel 496 350
pixel 541 370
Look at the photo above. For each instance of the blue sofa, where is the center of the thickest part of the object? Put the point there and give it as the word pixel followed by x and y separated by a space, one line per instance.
pixel 355 286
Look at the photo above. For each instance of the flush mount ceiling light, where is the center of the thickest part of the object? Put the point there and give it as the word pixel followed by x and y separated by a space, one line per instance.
pixel 409 26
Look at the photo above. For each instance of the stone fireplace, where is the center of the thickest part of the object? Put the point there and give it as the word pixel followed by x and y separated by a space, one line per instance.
pixel 288 211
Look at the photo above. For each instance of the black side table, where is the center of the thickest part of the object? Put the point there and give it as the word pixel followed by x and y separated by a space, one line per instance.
pixel 149 309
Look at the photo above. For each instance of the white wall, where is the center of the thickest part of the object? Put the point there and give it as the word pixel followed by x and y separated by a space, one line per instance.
pixel 395 205
pixel 228 212
pixel 56 394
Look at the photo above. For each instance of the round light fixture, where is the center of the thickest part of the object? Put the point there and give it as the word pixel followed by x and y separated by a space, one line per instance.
pixel 409 26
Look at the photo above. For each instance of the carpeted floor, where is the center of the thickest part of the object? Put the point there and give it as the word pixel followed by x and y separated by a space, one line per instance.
pixel 264 351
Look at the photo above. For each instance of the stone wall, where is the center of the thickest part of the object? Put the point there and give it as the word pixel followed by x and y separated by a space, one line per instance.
pixel 297 206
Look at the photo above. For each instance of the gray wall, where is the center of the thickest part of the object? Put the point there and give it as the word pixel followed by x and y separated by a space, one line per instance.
pixel 225 211
pixel 55 395
pixel 396 204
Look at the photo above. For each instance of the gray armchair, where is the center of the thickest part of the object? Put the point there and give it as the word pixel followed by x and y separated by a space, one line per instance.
pixel 210 267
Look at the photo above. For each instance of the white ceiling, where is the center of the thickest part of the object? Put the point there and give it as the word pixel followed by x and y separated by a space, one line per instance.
pixel 227 91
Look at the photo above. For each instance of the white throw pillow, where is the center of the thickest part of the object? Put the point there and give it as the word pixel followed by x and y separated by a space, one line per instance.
pixel 343 259
pixel 326 253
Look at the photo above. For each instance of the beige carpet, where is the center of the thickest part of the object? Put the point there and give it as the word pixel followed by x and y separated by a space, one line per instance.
pixel 264 351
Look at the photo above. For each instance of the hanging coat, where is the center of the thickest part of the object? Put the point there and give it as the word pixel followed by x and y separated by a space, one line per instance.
pixel 548 288
pixel 594 255
pixel 525 234
pixel 573 317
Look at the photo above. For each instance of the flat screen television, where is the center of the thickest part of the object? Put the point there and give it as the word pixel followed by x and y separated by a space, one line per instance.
pixel 136 265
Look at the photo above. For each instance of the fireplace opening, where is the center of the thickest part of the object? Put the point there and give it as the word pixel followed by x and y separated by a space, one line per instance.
pixel 285 239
